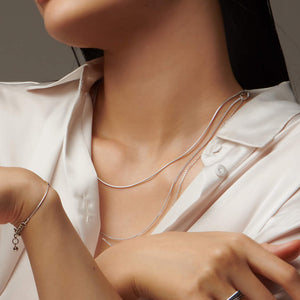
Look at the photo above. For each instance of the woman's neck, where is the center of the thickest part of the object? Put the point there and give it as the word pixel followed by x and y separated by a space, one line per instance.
pixel 168 79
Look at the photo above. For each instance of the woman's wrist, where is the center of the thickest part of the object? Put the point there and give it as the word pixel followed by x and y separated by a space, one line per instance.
pixel 27 194
pixel 35 215
pixel 119 266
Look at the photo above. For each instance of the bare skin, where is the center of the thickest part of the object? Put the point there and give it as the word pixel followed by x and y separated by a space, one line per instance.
pixel 211 265
pixel 138 267
pixel 167 70
pixel 139 125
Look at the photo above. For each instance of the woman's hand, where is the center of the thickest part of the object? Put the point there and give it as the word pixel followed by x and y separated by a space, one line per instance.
pixel 20 192
pixel 211 265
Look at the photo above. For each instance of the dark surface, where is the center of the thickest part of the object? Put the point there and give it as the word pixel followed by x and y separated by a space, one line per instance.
pixel 253 45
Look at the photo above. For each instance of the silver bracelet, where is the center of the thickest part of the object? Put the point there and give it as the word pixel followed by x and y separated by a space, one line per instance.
pixel 19 229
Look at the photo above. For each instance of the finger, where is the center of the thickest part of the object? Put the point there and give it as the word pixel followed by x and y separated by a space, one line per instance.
pixel 287 251
pixel 228 292
pixel 211 285
pixel 265 263
pixel 220 289
pixel 243 278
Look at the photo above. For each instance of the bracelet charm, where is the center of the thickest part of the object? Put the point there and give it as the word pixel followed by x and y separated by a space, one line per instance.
pixel 23 224
pixel 18 231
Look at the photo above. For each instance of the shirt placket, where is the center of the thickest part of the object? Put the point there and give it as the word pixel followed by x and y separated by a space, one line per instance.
pixel 221 160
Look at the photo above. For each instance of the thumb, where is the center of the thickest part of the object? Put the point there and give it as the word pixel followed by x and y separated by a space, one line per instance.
pixel 287 251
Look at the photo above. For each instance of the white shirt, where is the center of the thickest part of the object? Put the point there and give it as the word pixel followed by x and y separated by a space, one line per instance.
pixel 249 183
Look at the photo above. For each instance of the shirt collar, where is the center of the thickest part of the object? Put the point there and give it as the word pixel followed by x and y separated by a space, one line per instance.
pixel 87 74
pixel 259 120
pixel 254 125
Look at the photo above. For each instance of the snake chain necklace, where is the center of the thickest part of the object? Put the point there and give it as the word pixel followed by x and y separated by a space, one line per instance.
pixel 243 96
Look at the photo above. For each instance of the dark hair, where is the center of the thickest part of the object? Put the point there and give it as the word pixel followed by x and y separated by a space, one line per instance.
pixel 91 53
pixel 253 45
pixel 254 49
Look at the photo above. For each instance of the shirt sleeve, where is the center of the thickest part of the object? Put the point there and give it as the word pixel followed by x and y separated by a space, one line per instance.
pixel 282 227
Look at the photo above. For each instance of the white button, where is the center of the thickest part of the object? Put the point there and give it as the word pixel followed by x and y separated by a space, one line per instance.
pixel 221 171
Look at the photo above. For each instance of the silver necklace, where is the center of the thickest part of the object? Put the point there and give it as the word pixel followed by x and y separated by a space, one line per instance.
pixel 243 96
pixel 187 152
pixel 196 155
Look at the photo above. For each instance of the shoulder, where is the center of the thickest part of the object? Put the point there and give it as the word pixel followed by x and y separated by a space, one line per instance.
pixel 268 127
pixel 280 113
pixel 27 109
pixel 20 95
pixel 50 96
pixel 263 118
pixel 33 118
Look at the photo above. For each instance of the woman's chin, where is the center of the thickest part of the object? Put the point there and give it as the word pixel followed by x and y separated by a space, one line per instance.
pixel 67 30
pixel 90 26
